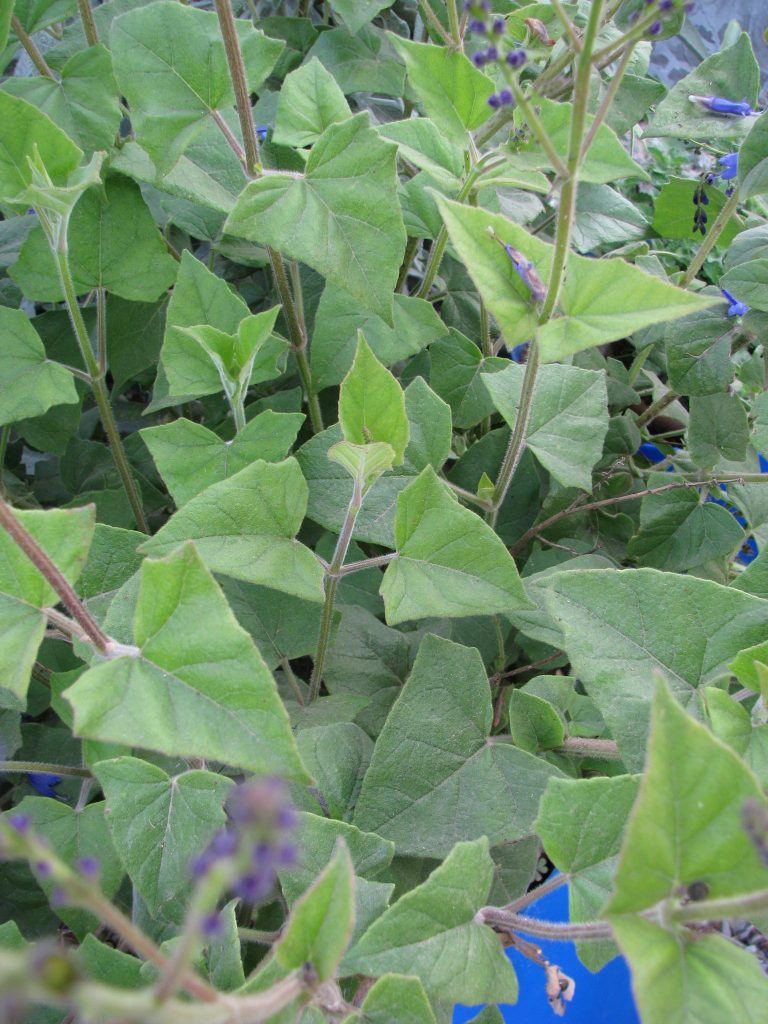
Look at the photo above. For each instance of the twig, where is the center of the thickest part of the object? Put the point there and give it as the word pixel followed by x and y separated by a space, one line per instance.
pixel 29 45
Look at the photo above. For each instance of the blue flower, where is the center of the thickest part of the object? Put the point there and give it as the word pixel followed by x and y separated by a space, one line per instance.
pixel 719 105
pixel 44 783
pixel 730 165
pixel 735 308
pixel 261 132
pixel 519 352
pixel 527 272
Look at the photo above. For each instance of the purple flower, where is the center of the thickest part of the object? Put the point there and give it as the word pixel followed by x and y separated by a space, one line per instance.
pixel 730 165
pixel 44 783
pixel 719 105
pixel 89 867
pixel 494 102
pixel 735 308
pixel 492 53
pixel 478 59
pixel 527 272
pixel 498 26
pixel 19 823
pixel 516 58
pixel 665 5
pixel 478 26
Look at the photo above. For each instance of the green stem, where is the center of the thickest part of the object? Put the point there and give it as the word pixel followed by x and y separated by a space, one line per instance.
pixel 474 499
pixel 567 24
pixel 240 85
pixel 439 244
pixel 42 768
pixel 712 236
pixel 99 388
pixel 262 938
pixel 453 23
pixel 582 746
pixel 656 407
pixel 728 908
pixel 408 257
pixel 101 330
pixel 5 434
pixel 538 129
pixel 53 575
pixel 290 675
pixel 29 45
pixel 89 24
pixel 434 21
pixel 332 576
pixel 367 563
pixel 565 218
pixel 607 101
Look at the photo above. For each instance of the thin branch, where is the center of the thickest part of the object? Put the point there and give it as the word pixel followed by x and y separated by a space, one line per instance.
pixel 435 22
pixel 581 746
pixel 536 893
pixel 567 24
pixel 89 24
pixel 240 85
pixel 367 563
pixel 572 932
pixel 29 45
pixel 42 768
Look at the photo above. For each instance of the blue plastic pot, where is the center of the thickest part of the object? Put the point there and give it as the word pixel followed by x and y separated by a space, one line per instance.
pixel 602 998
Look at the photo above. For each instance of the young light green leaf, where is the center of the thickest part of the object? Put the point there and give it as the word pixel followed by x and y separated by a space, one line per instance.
pixel 84 102
pixel 449 562
pixel 732 73
pixel 320 923
pixel 454 93
pixel 158 823
pixel 363 462
pixel 372 404
pixel 190 457
pixel 679 530
pixel 569 417
pixel 171 67
pixel 339 318
pixel 30 383
pixel 397 997
pixel 426 804
pixel 581 823
pixel 245 527
pixel 194 686
pixel 24 128
pixel 431 933
pixel 113 243
pixel 429 418
pixel 686 826
pixel 621 626
pixel 341 217
pixel 310 100
pixel 696 979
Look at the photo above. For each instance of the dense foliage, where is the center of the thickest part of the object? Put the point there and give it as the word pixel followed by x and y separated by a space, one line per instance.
pixel 381 407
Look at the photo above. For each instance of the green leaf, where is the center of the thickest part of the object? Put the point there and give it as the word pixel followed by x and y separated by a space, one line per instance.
pixel 568 421
pixel 171 67
pixel 698 350
pixel 430 786
pixel 73 834
pixel 581 823
pixel 458 367
pixel 421 143
pixel 679 530
pixel 190 457
pixel 113 243
pixel 195 686
pixel 429 418
pixel 732 73
pixel 158 822
pixel 357 13
pixel 112 559
pixel 686 826
pixel 6 10
pixel 320 924
pixel 606 159
pixel 23 629
pixel 683 978
pixel 753 163
pixel 431 933
pixel 310 100
pixel 673 210
pixel 397 997
pixel 362 63
pixel 338 320
pixel 454 93
pixel 84 102
pixel 39 14
pixel 749 283
pixel 620 627
pixel 449 562
pixel 717 429
pixel 24 128
pixel 245 527
pixel 337 756
pixel 364 462
pixel 30 383
pixel 372 404
pixel 604 216
pixel 533 723
pixel 341 217
pixel 603 300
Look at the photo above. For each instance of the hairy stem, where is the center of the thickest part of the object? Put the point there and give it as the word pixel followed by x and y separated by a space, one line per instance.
pixel 583 747
pixel 240 85
pixel 54 577
pixel 42 768
pixel 552 883
pixel 572 932
pixel 434 21
pixel 538 129
pixel 89 24
pixel 656 407
pixel 29 45
pixel 453 23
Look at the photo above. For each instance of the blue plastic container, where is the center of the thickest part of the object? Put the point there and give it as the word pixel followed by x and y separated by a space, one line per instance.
pixel 602 998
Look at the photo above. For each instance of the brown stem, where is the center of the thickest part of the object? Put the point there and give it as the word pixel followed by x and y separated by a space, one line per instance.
pixel 536 894
pixel 29 45
pixel 240 84
pixel 573 932
pixel 54 576
pixel 584 747
pixel 86 14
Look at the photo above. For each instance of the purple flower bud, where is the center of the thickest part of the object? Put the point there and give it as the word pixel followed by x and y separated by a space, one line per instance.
pixel 478 27
pixel 89 867
pixel 506 97
pixel 527 272
pixel 730 165
pixel 223 844
pixel 287 855
pixel 19 823
pixel 735 308
pixel 494 102
pixel 287 817
pixel 58 897
pixel 719 105
pixel 498 26
pixel 43 868
pixel 655 28
pixel 516 58
pixel 211 926
pixel 492 53
pixel 255 886
pixel 665 5
pixel 478 59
